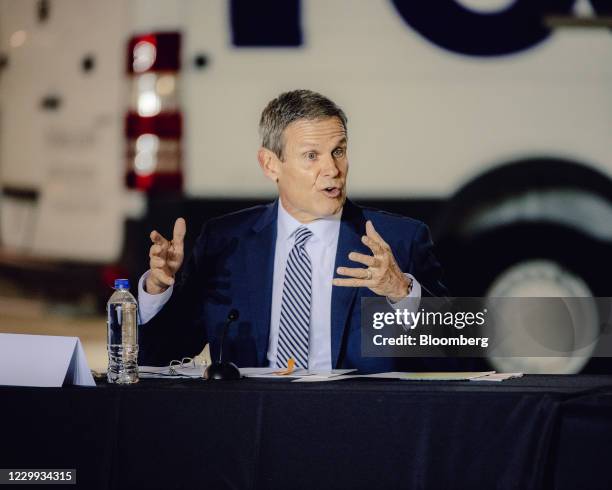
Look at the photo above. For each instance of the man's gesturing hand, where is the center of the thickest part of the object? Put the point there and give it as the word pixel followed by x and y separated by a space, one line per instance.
pixel 383 275
pixel 165 258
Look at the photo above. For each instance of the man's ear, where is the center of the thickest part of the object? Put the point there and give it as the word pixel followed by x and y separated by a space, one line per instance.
pixel 269 163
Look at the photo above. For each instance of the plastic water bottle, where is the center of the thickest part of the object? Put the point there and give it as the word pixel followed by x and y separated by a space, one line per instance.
pixel 122 313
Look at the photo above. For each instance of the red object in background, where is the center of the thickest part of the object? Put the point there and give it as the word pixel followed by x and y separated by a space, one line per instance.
pixel 155 53
pixel 167 125
pixel 166 182
pixel 167 51
pixel 109 273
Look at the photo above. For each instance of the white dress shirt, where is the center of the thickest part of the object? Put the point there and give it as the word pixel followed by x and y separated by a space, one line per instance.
pixel 321 248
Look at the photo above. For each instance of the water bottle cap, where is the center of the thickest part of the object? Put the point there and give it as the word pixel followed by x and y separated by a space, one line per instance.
pixel 122 284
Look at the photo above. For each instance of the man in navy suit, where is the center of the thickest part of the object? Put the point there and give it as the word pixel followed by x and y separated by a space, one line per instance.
pixel 276 263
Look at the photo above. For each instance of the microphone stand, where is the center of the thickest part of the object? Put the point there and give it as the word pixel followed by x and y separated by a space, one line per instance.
pixel 220 369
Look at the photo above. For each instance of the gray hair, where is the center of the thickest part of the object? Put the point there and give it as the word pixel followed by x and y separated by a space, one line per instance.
pixel 289 107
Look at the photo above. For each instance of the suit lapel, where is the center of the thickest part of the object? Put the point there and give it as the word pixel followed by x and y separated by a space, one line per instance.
pixel 352 227
pixel 259 267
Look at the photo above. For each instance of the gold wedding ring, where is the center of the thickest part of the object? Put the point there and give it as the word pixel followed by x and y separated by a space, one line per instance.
pixel 369 274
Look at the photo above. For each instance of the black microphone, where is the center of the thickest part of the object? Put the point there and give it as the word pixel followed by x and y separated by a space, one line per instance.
pixel 220 369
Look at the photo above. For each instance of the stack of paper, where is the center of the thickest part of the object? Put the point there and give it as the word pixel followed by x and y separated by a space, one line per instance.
pixel 271 373
pixel 261 372
pixel 304 376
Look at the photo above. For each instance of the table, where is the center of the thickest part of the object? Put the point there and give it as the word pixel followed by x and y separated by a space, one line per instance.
pixel 533 432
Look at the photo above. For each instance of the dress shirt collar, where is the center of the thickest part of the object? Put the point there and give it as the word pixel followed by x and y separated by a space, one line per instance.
pixel 325 229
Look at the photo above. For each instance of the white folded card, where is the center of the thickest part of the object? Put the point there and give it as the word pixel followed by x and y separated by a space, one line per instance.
pixel 43 360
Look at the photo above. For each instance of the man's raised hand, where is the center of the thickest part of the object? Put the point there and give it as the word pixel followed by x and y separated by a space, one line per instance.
pixel 165 258
pixel 381 274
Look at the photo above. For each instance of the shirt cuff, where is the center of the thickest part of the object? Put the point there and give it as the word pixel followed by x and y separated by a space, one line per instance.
pixel 412 301
pixel 151 304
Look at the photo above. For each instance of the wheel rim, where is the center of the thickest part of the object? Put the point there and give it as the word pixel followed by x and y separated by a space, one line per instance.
pixel 545 278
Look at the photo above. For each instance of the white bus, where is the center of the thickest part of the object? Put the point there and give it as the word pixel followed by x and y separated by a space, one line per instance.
pixel 490 119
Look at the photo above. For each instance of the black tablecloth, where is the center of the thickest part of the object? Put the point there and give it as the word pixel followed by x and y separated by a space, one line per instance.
pixel 533 432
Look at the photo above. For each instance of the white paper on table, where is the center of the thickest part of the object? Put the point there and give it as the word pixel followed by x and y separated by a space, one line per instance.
pixel 268 372
pixel 387 375
pixel 433 376
pixel 43 360
pixel 323 379
pixel 497 377
pixel 443 376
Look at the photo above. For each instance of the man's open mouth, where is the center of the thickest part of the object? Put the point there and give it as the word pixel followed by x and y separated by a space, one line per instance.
pixel 332 192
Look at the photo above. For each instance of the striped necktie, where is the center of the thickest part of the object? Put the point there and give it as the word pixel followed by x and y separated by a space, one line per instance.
pixel 295 306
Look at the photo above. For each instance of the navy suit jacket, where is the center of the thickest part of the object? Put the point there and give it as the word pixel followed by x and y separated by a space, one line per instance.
pixel 231 266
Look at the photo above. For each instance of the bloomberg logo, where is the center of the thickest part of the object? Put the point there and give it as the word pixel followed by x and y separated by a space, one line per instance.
pixel 464 27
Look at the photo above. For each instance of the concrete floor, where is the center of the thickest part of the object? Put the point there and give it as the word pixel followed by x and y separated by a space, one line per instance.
pixel 27 316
